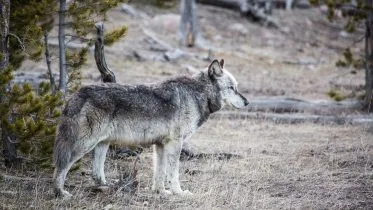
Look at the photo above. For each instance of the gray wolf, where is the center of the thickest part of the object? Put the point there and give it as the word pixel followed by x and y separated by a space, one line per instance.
pixel 163 114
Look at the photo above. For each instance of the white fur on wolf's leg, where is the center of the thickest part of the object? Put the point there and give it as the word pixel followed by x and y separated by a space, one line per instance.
pixel 60 177
pixel 98 163
pixel 172 151
pixel 159 171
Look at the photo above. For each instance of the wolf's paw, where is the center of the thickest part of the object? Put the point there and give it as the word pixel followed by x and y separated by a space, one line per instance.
pixel 184 193
pixel 162 192
pixel 63 194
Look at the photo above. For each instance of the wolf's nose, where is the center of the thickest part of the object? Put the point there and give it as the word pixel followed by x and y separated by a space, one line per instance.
pixel 246 102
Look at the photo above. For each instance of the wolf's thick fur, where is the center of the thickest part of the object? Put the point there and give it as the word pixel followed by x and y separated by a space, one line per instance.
pixel 163 114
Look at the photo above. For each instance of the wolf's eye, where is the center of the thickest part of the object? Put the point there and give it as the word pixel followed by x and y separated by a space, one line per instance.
pixel 231 87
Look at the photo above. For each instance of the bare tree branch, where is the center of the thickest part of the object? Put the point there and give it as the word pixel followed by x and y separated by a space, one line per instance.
pixel 21 44
pixel 48 60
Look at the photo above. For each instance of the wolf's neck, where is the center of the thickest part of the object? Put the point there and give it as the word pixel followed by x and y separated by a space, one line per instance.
pixel 202 100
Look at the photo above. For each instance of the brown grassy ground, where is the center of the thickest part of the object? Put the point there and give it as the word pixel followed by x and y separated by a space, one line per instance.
pixel 303 166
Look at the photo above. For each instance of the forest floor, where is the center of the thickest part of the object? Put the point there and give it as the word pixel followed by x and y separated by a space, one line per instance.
pixel 282 166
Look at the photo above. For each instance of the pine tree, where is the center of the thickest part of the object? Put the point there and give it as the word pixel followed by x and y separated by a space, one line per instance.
pixel 29 114
pixel 22 27
pixel 357 12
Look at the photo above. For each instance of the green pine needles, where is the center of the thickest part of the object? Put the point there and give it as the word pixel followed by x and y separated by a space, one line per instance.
pixel 30 115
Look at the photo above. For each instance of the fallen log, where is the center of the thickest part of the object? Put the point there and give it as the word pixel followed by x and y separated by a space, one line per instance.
pixel 297 118
pixel 293 105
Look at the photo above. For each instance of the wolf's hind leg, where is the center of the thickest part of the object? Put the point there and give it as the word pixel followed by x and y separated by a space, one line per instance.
pixel 66 153
pixel 159 170
pixel 98 163
pixel 62 158
pixel 61 170
pixel 59 176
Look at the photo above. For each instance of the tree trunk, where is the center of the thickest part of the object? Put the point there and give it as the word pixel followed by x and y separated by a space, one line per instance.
pixel 188 27
pixel 11 158
pixel 8 140
pixel 369 59
pixel 4 30
pixel 48 60
pixel 62 51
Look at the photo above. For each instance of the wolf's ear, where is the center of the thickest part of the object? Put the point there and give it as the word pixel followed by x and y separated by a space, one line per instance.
pixel 214 69
pixel 221 63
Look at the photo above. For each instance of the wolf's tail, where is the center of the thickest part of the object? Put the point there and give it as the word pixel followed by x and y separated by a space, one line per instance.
pixel 63 148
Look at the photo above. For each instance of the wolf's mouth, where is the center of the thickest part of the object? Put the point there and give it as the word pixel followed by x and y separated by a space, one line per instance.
pixel 237 107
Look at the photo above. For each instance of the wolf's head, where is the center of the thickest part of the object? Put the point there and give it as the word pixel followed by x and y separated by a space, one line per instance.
pixel 225 86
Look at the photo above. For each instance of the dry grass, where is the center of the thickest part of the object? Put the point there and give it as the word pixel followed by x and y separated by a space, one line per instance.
pixel 282 166
pixel 302 166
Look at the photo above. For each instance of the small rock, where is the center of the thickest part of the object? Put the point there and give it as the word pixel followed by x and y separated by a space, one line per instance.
pixel 285 29
pixel 239 28
pixel 173 55
pixel 344 34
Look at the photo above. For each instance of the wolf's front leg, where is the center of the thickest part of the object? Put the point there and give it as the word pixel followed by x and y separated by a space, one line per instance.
pixel 173 150
pixel 98 163
pixel 159 170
